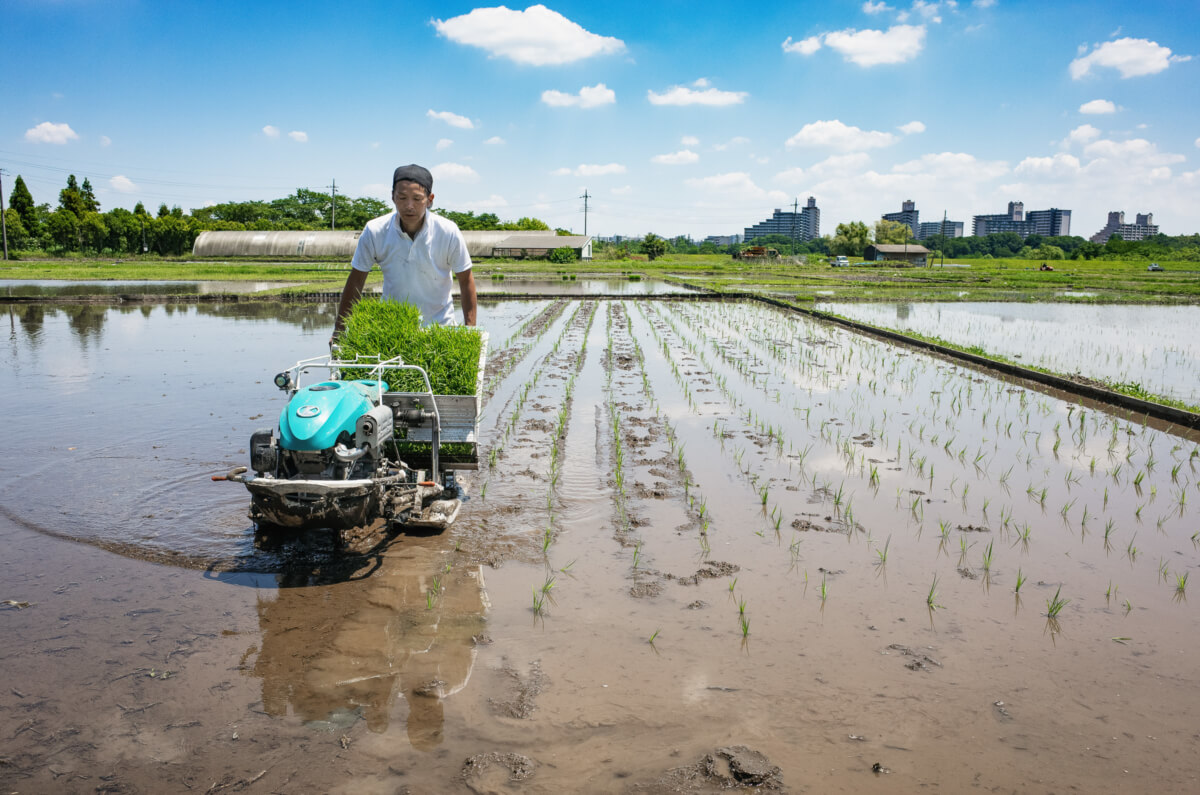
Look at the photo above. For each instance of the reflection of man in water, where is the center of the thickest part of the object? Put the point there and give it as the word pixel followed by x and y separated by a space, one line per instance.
pixel 335 651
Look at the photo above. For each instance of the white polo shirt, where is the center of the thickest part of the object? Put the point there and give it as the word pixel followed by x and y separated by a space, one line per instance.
pixel 418 271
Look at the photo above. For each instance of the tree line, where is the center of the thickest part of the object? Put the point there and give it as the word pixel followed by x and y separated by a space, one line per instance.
pixel 76 224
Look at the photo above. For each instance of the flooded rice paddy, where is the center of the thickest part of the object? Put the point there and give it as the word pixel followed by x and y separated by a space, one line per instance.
pixel 1154 346
pixel 708 545
pixel 60 288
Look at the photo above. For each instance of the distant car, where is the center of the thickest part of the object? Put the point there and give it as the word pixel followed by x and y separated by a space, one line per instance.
pixel 839 262
pixel 1154 266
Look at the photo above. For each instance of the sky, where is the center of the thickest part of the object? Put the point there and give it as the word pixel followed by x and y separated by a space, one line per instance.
pixel 683 118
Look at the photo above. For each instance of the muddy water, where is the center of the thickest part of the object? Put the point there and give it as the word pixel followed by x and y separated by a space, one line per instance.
pixel 579 287
pixel 768 498
pixel 1150 345
pixel 58 288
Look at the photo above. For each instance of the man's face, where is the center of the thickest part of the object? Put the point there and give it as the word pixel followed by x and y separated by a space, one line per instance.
pixel 411 201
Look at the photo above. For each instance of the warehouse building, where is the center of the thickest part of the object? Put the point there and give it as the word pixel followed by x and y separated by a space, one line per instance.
pixel 341 244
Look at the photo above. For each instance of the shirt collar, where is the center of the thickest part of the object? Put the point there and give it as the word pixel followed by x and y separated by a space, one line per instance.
pixel 400 230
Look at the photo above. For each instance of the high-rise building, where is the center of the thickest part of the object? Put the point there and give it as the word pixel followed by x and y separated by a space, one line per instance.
pixel 1048 223
pixel 948 228
pixel 805 225
pixel 1142 229
pixel 1051 223
pixel 908 215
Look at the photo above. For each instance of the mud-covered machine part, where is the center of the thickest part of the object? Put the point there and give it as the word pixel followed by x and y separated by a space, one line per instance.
pixel 335 459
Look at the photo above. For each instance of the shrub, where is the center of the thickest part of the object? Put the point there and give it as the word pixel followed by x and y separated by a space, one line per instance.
pixel 562 255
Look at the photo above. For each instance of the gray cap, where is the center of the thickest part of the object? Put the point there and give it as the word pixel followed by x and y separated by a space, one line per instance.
pixel 414 173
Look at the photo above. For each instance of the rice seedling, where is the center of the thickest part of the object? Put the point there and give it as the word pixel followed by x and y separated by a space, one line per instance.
pixel 1055 604
pixel 883 553
pixel 824 593
pixel 449 354
pixel 931 597
pixel 987 557
pixel 1181 583
pixel 1111 592
pixel 744 623
pixel 1020 581
pixel 652 637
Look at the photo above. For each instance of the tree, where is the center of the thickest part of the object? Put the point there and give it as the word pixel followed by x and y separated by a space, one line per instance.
pixel 163 210
pixel 18 237
pixel 71 198
pixel 89 197
pixel 63 227
pixel 562 255
pixel 654 246
pixel 21 200
pixel 892 232
pixel 92 231
pixel 851 239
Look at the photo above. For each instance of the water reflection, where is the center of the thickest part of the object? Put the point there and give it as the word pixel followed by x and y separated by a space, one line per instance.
pixel 337 650
pixel 87 321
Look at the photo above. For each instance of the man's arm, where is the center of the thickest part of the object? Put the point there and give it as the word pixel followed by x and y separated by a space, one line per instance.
pixel 466 289
pixel 350 295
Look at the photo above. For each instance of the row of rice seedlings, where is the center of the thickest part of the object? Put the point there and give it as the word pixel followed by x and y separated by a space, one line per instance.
pixel 511 356
pixel 979 460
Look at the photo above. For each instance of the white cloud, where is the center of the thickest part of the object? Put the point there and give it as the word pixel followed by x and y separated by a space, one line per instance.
pixel 791 176
pixel 736 140
pixel 875 8
pixel 804 46
pixel 1098 107
pixel 453 119
pixel 681 95
pixel 122 184
pixel 271 131
pixel 689 140
pixel 599 170
pixel 50 133
pixel 700 82
pixel 1081 135
pixel 840 165
pixel 1057 166
pixel 912 127
pixel 105 140
pixel 928 10
pixel 953 166
pixel 298 136
pixel 897 44
pixel 535 36
pixel 454 172
pixel 1197 143
pixel 983 3
pixel 493 202
pixel 679 158
pixel 588 97
pixel 1130 57
pixel 443 143
pixel 590 170
pixel 735 186
pixel 836 135
pixel 495 140
pixel 1135 151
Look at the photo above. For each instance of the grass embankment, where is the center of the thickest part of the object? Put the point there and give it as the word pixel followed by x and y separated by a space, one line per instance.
pixel 1089 281
pixel 449 354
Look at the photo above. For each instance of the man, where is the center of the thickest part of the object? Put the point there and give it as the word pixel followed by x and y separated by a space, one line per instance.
pixel 417 250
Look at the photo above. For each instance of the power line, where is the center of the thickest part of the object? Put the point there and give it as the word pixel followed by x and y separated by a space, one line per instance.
pixel 585 198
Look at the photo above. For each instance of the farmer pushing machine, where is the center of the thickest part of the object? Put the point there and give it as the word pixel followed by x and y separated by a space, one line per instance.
pixel 401 384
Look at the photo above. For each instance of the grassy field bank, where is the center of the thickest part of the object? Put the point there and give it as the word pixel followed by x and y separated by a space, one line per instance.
pixel 1096 281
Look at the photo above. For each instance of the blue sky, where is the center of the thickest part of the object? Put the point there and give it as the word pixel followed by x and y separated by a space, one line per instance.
pixel 676 117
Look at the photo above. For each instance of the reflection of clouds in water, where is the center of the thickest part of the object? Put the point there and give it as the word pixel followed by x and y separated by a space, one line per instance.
pixel 1150 345
pixel 345 648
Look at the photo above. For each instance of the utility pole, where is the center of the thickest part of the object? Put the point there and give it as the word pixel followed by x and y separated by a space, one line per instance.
pixel 333 205
pixel 795 210
pixel 3 220
pixel 585 198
